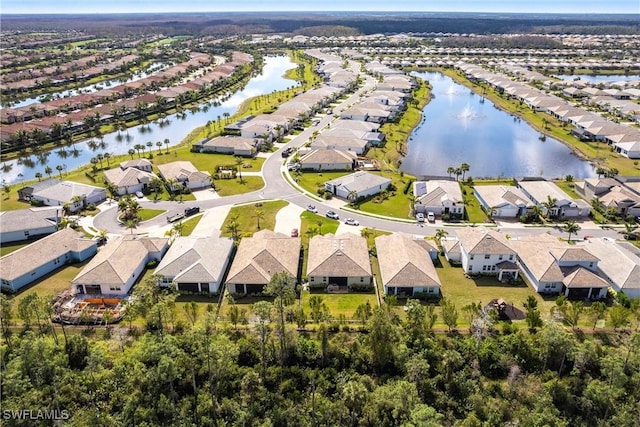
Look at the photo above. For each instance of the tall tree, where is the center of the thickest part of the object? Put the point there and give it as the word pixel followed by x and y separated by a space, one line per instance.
pixel 449 313
pixel 571 227
pixel 282 287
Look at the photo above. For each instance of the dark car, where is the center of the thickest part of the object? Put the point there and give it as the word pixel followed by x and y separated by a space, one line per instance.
pixel 191 211
pixel 287 152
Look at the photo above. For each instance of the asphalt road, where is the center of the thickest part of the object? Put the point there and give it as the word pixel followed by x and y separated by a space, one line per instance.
pixel 277 187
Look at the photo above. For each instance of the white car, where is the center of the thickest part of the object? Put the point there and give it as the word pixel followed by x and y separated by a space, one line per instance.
pixel 420 217
pixel 332 215
pixel 351 221
pixel 431 217
pixel 312 208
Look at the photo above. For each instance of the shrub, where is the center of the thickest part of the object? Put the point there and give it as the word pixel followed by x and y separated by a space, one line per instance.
pixel 91 207
pixel 37 203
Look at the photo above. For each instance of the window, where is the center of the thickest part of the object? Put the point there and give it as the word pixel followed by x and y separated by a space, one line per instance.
pixel 591 264
pixel 312 278
pixel 470 267
pixel 361 279
pixel 510 257
pixel 500 258
pixel 430 290
pixel 493 268
pixel 487 256
pixel 471 257
pixel 26 233
pixel 484 268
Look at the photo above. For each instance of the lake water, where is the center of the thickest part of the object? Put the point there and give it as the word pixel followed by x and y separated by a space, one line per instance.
pixel 461 127
pixel 174 128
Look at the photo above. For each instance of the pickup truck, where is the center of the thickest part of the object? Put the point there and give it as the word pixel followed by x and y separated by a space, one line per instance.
pixel 180 215
pixel 176 217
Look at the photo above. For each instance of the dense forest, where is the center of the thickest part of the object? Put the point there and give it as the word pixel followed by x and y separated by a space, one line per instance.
pixel 257 369
pixel 199 24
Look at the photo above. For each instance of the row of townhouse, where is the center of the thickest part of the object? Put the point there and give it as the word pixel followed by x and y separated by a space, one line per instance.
pixel 587 125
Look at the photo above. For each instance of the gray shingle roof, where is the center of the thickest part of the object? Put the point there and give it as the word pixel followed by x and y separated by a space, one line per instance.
pixel 404 262
pixel 483 241
pixel 28 219
pixel 360 181
pixel 346 255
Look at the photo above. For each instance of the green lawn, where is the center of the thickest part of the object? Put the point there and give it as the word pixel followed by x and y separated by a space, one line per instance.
pixel 246 217
pixel 311 181
pixel 463 291
pixel 7 248
pixel 569 188
pixel 338 304
pixel 472 206
pixel 51 284
pixel 229 187
pixel 208 162
pixel 147 214
pixel 189 224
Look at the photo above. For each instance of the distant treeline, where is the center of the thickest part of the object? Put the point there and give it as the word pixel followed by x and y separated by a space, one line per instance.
pixel 364 23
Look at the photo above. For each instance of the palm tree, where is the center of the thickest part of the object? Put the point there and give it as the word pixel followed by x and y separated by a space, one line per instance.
pixel 571 227
pixel 99 157
pixel 319 223
pixel 131 152
pixel 159 145
pixel 138 148
pixel 39 176
pixel 48 171
pixel 107 157
pixel 259 215
pixel 597 205
pixel 451 170
pixel 549 205
pixel 131 224
pixel 167 142
pixel 60 168
pixel 464 167
pixel 537 212
pixel 234 229
pixel 629 230
pixel 440 233
pixel 149 145
pixel 352 197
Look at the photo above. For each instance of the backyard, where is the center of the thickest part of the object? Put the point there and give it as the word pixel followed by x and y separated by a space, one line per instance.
pixel 252 217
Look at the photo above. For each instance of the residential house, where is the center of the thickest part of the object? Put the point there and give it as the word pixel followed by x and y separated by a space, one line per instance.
pixel 484 251
pixel 118 265
pixel 618 264
pixel 406 268
pixel 259 258
pixel 235 145
pixel 24 224
pixel 344 143
pixel 612 194
pixel 196 264
pixel 502 201
pixel 554 267
pixel 357 185
pixel 540 192
pixel 142 164
pixel 439 197
pixel 186 173
pixel 129 180
pixel 325 160
pixel 74 194
pixel 341 261
pixel 32 262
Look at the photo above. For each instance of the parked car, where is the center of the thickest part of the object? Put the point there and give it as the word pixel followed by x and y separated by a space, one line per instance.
pixel 420 217
pixel 287 152
pixel 139 194
pixel 312 208
pixel 293 166
pixel 431 217
pixel 332 215
pixel 351 221
pixel 294 232
pixel 191 211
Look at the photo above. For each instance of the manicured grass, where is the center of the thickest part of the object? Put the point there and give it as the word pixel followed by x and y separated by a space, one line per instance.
pixel 229 187
pixel 7 248
pixel 464 291
pixel 312 181
pixel 147 214
pixel 52 284
pixel 208 162
pixel 475 213
pixel 397 205
pixel 246 217
pixel 568 187
pixel 338 304
pixel 189 224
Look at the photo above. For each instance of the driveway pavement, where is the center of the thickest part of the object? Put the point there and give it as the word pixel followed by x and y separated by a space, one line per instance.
pixel 288 218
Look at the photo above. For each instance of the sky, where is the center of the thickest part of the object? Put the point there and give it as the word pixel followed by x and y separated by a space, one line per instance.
pixel 146 6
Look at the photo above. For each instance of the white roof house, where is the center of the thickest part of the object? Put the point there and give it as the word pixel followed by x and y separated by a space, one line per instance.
pixel 439 197
pixel 129 180
pixel 540 191
pixel 185 172
pixel 23 224
pixel 323 160
pixel 196 264
pixel 362 184
pixel 65 191
pixel 618 264
pixel 505 201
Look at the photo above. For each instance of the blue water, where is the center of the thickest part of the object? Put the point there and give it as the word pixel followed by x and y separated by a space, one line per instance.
pixel 174 129
pixel 461 127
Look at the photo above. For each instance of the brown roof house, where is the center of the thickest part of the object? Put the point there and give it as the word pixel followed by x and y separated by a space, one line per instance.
pixel 554 267
pixel 340 261
pixel 484 251
pixel 260 257
pixel 406 268
pixel 118 265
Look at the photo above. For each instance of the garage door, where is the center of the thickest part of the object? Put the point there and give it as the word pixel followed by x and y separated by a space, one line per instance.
pixel 340 281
